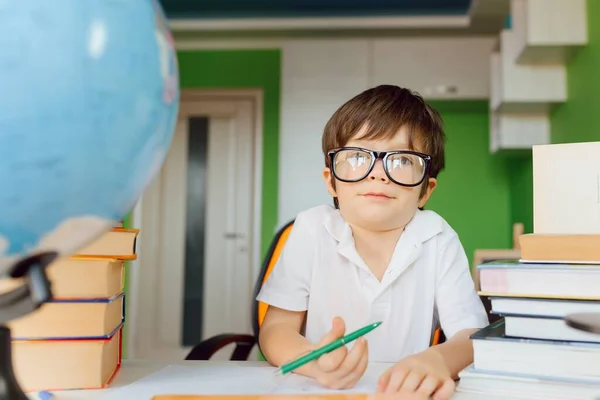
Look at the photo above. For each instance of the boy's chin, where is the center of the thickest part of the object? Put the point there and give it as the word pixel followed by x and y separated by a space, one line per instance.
pixel 380 220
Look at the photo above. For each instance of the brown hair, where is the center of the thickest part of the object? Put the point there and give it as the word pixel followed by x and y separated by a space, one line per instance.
pixel 386 109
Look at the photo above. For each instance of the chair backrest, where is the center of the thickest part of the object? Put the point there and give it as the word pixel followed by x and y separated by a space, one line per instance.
pixel 438 337
pixel 260 308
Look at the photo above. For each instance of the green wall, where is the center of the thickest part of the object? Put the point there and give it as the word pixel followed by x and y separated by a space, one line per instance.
pixel 235 69
pixel 521 190
pixel 473 192
pixel 576 120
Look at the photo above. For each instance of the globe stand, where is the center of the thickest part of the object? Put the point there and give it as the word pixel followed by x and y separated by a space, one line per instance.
pixel 15 304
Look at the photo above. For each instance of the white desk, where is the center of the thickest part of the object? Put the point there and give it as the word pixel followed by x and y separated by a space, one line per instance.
pixel 132 370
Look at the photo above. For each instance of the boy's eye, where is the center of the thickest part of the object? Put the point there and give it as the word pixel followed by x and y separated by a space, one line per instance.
pixel 402 161
pixel 406 160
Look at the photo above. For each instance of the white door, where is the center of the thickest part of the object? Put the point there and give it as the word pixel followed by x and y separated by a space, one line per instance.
pixel 215 243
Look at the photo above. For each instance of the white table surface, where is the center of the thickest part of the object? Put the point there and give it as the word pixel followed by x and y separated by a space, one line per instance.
pixel 133 370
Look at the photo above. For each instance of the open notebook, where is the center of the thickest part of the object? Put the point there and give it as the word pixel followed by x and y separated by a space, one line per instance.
pixel 235 379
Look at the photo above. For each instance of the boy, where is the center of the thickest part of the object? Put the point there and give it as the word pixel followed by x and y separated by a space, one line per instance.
pixel 376 256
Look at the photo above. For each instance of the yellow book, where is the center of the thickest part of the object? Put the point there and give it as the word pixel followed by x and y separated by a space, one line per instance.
pixel 66 364
pixel 80 278
pixel 68 319
pixel 117 243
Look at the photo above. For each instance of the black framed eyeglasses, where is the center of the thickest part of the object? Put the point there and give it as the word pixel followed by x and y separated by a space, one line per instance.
pixel 403 167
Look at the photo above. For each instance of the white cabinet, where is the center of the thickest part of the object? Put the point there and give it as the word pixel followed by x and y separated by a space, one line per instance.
pixel 548 31
pixel 437 68
pixel 524 87
pixel 515 132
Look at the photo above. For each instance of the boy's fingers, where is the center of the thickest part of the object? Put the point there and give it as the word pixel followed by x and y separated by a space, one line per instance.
pixel 359 370
pixel 412 381
pixel 445 391
pixel 351 369
pixel 429 385
pixel 364 362
pixel 331 361
pixel 384 379
pixel 338 328
pixel 352 360
pixel 396 380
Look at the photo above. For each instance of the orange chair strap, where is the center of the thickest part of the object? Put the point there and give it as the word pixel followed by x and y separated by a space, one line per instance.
pixel 262 307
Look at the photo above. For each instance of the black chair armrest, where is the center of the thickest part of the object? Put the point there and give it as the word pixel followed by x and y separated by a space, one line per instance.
pixel 205 349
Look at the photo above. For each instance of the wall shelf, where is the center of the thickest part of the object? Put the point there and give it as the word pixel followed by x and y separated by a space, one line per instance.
pixel 517 88
pixel 548 31
pixel 518 132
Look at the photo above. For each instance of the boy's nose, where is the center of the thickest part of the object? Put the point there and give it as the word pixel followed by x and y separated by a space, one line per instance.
pixel 378 173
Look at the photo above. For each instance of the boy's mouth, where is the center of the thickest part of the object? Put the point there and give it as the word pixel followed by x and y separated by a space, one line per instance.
pixel 377 195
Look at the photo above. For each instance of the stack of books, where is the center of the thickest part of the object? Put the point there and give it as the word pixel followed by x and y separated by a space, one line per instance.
pixel 74 341
pixel 531 352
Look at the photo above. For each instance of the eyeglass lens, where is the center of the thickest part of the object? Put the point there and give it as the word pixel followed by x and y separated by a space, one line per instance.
pixel 353 165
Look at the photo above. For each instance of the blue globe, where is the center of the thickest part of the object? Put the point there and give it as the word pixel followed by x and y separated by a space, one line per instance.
pixel 89 96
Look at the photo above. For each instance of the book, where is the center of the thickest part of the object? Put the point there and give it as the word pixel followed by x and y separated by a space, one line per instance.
pixel 538 318
pixel 542 307
pixel 551 328
pixel 54 365
pixel 540 280
pixel 495 352
pixel 560 248
pixel 566 188
pixel 517 386
pixel 117 243
pixel 70 319
pixel 79 278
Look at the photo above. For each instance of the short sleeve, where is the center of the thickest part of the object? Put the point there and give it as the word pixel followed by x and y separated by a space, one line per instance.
pixel 458 305
pixel 288 285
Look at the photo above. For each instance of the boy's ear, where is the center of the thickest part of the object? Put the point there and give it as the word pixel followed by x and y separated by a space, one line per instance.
pixel 431 185
pixel 328 178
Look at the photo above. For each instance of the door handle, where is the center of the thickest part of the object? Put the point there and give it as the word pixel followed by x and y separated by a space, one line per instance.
pixel 233 235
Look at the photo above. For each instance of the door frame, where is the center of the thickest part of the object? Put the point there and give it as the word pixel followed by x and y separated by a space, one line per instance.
pixel 146 216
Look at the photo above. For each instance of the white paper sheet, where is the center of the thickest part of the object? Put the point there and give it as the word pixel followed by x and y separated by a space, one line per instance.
pixel 234 379
pixel 297 384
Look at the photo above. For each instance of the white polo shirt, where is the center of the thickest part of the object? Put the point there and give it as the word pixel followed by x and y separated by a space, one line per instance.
pixel 427 280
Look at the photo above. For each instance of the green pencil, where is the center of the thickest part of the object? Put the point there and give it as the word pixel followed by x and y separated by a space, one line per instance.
pixel 313 355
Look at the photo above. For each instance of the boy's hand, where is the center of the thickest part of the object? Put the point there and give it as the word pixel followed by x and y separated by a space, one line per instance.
pixel 341 369
pixel 424 373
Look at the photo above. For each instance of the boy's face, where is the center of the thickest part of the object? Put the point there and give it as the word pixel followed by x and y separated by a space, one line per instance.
pixel 376 203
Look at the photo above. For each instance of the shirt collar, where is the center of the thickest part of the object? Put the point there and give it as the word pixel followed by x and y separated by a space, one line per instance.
pixel 423 226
